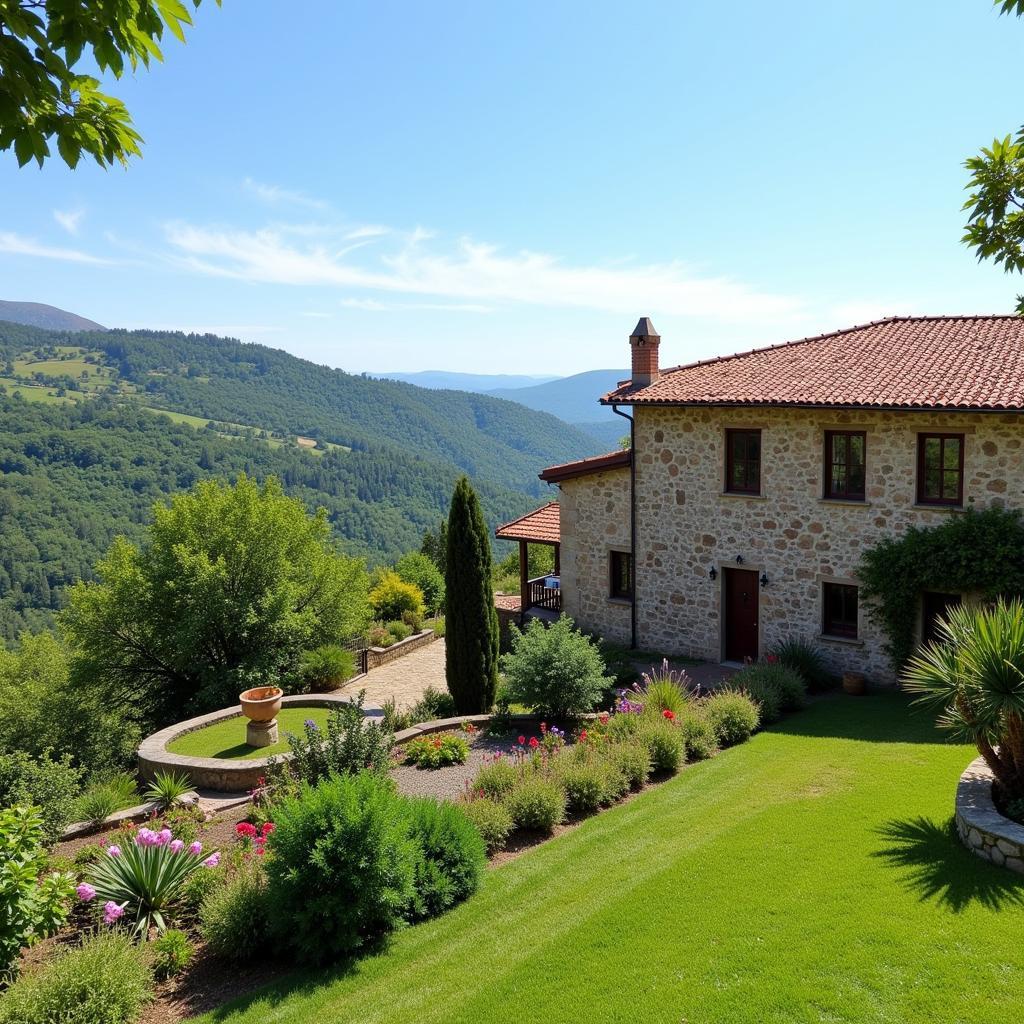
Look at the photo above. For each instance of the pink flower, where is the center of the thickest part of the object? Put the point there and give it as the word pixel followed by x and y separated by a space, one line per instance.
pixel 212 861
pixel 85 892
pixel 146 837
pixel 163 837
pixel 114 851
pixel 244 828
pixel 111 912
pixel 176 846
pixel 268 827
pixel 195 848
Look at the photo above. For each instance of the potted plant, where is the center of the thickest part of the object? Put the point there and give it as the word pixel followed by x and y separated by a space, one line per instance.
pixel 261 705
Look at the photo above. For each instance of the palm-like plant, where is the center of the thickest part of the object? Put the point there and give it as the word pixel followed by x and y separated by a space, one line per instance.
pixel 974 678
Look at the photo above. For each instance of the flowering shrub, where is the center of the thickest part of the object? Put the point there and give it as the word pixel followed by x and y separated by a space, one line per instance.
pixel 143 877
pixel 497 778
pixel 253 839
pixel 666 689
pixel 436 751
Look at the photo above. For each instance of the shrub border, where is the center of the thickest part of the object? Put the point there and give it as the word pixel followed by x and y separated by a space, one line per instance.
pixel 983 830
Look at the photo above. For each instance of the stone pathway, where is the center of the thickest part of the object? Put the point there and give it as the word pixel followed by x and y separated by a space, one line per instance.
pixel 404 679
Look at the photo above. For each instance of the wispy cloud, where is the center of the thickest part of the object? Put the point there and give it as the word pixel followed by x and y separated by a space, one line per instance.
pixel 21 246
pixel 376 306
pixel 69 220
pixel 472 273
pixel 276 195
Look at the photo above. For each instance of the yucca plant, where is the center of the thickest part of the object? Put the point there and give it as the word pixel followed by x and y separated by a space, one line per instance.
pixel 143 878
pixel 167 789
pixel 973 676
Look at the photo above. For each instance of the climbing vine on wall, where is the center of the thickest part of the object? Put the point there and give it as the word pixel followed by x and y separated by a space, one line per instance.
pixel 976 552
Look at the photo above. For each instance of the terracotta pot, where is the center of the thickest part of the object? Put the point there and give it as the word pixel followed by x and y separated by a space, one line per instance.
pixel 855 684
pixel 262 703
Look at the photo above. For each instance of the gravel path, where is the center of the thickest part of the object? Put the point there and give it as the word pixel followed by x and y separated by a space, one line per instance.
pixel 448 783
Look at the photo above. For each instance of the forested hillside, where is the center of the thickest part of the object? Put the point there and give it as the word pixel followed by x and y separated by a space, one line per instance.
pixel 84 450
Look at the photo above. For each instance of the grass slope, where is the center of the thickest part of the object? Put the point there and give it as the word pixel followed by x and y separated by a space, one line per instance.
pixel 226 740
pixel 808 875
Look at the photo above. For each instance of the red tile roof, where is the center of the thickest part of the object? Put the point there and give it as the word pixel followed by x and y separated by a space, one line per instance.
pixel 507 602
pixel 583 467
pixel 542 526
pixel 947 362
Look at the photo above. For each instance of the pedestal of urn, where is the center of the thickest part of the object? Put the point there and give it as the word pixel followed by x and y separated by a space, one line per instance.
pixel 261 705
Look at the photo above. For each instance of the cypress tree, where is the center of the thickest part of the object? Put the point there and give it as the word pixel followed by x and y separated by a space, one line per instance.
pixel 471 621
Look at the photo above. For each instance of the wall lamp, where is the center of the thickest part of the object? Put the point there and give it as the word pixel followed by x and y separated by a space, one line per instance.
pixel 739 559
pixel 712 574
pixel 764 580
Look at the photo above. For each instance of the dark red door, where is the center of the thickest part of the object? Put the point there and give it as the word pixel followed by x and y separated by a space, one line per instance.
pixel 741 596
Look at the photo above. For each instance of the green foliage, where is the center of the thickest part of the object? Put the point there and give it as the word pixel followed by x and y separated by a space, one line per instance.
pixel 326 668
pixel 585 784
pixel 665 744
pixel 399 631
pixel 43 782
pixel 343 867
pixel 979 552
pixel 31 907
pixel 471 646
pixel 432 705
pixel 167 789
pixel 234 918
pixel 170 953
pixel 451 853
pixel 198 888
pixel 764 683
pixel 732 714
pixel 435 546
pixel 805 659
pixel 231 586
pixel 44 96
pixel 556 670
pixel 497 779
pixel 633 761
pixel 492 820
pixel 105 980
pixel 420 571
pixel 973 678
pixel 664 689
pixel 436 751
pixel 392 597
pixel 537 804
pixel 351 743
pixel 698 734
pixel 96 804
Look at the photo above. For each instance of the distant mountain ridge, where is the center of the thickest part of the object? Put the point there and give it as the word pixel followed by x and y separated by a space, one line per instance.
pixel 450 380
pixel 573 399
pixel 50 318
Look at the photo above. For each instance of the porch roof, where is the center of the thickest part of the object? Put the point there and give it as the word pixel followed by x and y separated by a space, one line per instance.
pixel 584 467
pixel 542 526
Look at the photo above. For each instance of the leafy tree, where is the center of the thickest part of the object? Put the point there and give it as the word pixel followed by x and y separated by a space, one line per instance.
pixel 420 571
pixel 392 597
pixel 43 96
pixel 471 621
pixel 435 546
pixel 995 224
pixel 232 584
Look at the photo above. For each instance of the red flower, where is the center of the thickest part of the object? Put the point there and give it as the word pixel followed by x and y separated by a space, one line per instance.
pixel 670 715
pixel 522 740
pixel 603 718
pixel 543 727
pixel 771 659
pixel 268 827
pixel 243 828
pixel 533 741
pixel 583 735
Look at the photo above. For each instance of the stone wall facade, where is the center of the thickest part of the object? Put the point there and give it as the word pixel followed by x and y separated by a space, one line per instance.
pixel 686 523
pixel 595 521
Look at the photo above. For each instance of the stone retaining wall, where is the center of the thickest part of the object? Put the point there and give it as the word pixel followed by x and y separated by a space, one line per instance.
pixel 983 830
pixel 377 656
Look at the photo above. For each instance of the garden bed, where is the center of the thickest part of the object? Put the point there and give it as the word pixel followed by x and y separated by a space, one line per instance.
pixel 982 829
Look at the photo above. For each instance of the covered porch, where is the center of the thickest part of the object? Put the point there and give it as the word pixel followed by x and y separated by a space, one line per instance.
pixel 540 597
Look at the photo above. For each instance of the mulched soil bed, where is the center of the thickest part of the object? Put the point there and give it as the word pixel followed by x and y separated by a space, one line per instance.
pixel 450 782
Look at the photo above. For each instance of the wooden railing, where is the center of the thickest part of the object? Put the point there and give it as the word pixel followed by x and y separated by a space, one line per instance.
pixel 544 597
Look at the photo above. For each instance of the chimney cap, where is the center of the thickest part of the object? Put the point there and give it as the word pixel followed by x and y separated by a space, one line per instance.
pixel 645 329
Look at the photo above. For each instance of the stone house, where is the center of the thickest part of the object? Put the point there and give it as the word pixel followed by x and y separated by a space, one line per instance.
pixel 756 481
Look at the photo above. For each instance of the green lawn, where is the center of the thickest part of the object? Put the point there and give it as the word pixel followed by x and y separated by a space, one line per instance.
pixel 226 739
pixel 809 875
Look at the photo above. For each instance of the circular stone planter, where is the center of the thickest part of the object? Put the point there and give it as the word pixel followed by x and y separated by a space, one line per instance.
pixel 983 830
pixel 222 774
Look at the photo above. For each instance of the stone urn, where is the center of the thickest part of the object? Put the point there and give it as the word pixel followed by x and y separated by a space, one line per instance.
pixel 261 705
pixel 855 684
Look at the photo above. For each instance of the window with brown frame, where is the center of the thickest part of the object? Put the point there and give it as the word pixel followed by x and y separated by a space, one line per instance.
pixel 839 610
pixel 940 469
pixel 621 573
pixel 845 452
pixel 743 461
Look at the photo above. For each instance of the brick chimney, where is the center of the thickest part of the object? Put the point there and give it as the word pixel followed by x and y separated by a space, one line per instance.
pixel 643 343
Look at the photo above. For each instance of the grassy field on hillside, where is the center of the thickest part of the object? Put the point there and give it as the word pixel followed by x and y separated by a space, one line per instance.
pixel 809 875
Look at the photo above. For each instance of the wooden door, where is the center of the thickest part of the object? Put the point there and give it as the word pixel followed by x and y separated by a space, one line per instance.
pixel 934 607
pixel 741 610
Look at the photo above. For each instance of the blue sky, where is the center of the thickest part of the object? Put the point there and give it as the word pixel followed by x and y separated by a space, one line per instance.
pixel 508 187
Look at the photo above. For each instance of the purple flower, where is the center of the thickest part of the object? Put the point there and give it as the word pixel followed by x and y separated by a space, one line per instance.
pixel 164 836
pixel 111 912
pixel 114 851
pixel 310 724
pixel 212 861
pixel 146 837
pixel 176 846
pixel 195 848
pixel 85 892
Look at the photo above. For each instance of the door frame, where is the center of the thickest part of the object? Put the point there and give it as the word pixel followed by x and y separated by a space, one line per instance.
pixel 723 605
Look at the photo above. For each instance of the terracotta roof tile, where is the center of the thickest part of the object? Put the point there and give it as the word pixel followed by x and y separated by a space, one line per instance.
pixel 507 602
pixel 542 526
pixel 948 362
pixel 583 467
